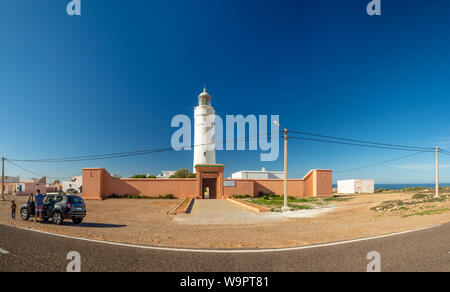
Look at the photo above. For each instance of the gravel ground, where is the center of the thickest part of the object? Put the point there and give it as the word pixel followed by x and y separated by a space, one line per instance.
pixel 146 222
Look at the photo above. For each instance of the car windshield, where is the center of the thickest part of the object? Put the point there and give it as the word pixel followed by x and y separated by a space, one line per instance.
pixel 76 200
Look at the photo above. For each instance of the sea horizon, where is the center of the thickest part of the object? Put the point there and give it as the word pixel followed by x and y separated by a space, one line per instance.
pixel 400 186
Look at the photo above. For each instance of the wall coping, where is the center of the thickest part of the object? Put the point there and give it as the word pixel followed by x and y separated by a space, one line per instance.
pixel 157 179
pixel 259 179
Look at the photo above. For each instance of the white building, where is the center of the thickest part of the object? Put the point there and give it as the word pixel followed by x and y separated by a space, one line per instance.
pixel 356 186
pixel 262 174
pixel 75 184
pixel 204 131
pixel 166 174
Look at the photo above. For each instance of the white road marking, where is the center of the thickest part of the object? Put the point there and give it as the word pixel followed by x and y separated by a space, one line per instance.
pixel 2 251
pixel 266 250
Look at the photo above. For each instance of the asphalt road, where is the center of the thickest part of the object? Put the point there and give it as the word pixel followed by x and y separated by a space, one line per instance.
pixel 426 250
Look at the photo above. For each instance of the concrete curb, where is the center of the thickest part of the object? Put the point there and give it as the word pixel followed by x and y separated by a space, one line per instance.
pixel 182 207
pixel 249 206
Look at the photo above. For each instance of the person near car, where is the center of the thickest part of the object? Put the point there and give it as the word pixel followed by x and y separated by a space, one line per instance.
pixel 13 210
pixel 39 206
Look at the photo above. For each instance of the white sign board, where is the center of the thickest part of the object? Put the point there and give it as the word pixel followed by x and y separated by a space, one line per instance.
pixel 229 183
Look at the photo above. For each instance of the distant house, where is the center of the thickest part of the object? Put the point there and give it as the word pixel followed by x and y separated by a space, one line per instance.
pixel 54 187
pixel 166 174
pixel 356 186
pixel 262 174
pixel 16 186
pixel 76 184
pixel 12 179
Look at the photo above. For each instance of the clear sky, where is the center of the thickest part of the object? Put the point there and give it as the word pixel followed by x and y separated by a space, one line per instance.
pixel 112 79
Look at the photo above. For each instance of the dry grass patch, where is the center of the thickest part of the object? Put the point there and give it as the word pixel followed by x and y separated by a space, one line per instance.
pixel 415 205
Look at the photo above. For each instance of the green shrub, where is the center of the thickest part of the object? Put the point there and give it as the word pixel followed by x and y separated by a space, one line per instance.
pixel 302 207
pixel 242 196
pixel 166 197
pixel 143 176
pixel 420 196
pixel 381 190
pixel 412 189
pixel 261 194
pixel 183 173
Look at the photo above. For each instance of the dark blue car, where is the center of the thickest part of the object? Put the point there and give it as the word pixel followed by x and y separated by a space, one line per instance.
pixel 58 207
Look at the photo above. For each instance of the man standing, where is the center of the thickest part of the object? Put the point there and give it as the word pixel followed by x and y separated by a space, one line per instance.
pixel 39 206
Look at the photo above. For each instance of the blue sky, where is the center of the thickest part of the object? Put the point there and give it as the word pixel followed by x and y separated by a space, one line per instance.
pixel 112 79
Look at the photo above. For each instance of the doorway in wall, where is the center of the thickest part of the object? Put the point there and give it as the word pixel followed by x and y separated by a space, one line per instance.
pixel 209 188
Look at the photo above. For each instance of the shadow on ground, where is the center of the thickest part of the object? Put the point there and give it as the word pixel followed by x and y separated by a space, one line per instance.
pixel 98 225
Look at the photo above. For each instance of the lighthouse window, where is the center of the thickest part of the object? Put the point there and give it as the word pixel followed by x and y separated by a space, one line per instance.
pixel 204 153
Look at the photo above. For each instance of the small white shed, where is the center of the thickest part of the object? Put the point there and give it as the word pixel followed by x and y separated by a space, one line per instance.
pixel 356 186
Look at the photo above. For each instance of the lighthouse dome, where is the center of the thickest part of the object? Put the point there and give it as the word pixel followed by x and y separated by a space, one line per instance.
pixel 204 98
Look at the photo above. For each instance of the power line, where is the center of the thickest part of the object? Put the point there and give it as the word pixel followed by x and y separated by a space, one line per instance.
pixel 380 163
pixel 94 157
pixel 362 141
pixel 35 173
pixel 444 151
pixel 360 145
pixel 127 154
pixel 113 155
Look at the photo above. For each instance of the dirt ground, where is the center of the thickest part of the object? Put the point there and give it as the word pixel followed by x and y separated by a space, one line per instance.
pixel 145 222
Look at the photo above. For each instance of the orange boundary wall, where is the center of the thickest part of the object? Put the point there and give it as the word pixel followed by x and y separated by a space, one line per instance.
pixel 98 184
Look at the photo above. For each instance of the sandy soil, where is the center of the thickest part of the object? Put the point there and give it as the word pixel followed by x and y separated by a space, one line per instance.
pixel 146 222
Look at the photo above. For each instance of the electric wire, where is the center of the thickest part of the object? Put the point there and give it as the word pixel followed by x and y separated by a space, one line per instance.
pixel 360 145
pixel 128 154
pixel 379 163
pixel 361 141
pixel 35 173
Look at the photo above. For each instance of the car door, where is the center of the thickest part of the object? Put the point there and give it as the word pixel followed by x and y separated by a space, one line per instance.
pixel 30 205
pixel 49 204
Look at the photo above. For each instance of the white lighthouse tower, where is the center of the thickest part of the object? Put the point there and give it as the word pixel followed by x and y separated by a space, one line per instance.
pixel 204 135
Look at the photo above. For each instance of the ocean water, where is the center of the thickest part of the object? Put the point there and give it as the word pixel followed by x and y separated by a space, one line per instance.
pixel 402 186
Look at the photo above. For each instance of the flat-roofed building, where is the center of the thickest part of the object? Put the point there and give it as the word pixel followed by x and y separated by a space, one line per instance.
pixel 356 186
pixel 26 187
pixel 261 174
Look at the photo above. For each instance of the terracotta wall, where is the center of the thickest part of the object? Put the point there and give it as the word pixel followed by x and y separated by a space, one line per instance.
pixel 254 187
pixel 243 187
pixel 317 183
pixel 308 185
pixel 323 181
pixel 98 184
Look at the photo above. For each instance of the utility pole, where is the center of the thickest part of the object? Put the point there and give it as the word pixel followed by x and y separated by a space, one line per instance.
pixel 3 178
pixel 437 172
pixel 285 207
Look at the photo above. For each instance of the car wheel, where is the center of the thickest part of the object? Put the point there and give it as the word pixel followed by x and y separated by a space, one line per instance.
pixel 24 214
pixel 57 218
pixel 77 220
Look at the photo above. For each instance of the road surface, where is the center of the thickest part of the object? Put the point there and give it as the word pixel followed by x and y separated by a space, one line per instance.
pixel 425 250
